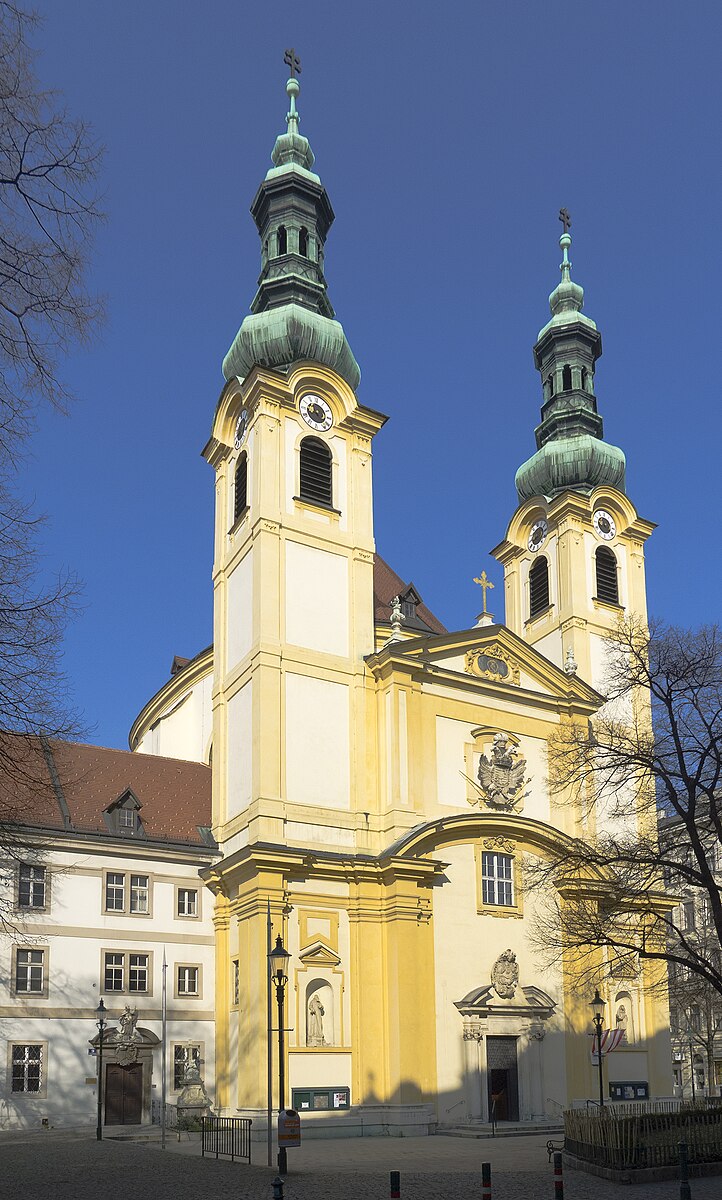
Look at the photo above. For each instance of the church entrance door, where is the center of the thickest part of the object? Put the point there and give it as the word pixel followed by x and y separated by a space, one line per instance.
pixel 502 1074
pixel 123 1094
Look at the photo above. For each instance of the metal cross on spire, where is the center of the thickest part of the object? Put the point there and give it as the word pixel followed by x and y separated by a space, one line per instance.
pixel 484 583
pixel 293 62
pixel 565 219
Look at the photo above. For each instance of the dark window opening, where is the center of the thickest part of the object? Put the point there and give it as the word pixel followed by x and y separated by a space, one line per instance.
pixel 240 487
pixel 303 241
pixel 607 581
pixel 282 239
pixel 315 482
pixel 550 384
pixel 538 587
pixel 585 376
pixel 566 378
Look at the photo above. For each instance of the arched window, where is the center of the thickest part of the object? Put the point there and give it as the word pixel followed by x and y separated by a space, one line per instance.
pixel 607 582
pixel 315 482
pixel 550 383
pixel 282 239
pixel 240 487
pixel 585 376
pixel 566 378
pixel 303 241
pixel 538 587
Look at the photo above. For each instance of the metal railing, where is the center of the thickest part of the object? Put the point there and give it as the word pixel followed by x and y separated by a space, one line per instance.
pixel 171 1114
pixel 226 1135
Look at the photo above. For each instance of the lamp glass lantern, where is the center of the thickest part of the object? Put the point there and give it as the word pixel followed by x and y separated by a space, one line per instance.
pixel 279 959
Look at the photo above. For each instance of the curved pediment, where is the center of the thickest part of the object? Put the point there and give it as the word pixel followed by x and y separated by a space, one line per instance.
pixel 469 827
pixel 529 1002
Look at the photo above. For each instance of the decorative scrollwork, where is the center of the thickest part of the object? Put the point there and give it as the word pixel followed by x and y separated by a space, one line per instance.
pixel 493 662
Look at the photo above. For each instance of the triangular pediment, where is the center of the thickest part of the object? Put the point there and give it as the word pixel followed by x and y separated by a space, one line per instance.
pixel 489 656
pixel 318 954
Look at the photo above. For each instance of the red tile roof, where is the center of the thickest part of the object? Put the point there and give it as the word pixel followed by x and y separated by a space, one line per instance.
pixel 388 585
pixel 71 785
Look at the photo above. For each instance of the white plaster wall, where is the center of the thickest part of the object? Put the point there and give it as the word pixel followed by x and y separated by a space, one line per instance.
pixel 290 436
pixel 452 737
pixel 536 802
pixel 317 600
pixel 551 647
pixel 317 742
pixel 239 757
pixel 239 612
pixel 324 1069
pixel 184 730
pixel 323 835
pixel 341 490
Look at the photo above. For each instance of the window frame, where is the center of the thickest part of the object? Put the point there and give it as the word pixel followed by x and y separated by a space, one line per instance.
pixel 606 552
pixel 126 967
pixel 200 1046
pixel 505 849
pixel 40 993
pixel 536 567
pixel 235 982
pixel 184 887
pixel 30 907
pixel 312 501
pixel 239 513
pixel 127 910
pixel 186 966
pixel 43 1089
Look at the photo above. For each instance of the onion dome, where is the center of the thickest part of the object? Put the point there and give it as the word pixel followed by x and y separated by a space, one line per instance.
pixel 291 315
pixel 571 453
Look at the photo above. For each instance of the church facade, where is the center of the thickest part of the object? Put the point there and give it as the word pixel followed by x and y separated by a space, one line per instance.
pixel 379 782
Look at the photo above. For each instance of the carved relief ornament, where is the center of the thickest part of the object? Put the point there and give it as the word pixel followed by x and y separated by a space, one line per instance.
pixel 493 662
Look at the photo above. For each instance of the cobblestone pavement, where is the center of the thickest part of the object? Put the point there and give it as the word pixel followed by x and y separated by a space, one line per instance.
pixel 78 1168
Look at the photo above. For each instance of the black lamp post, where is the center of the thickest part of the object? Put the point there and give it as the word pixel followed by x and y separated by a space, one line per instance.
pixel 597 1004
pixel 101 1023
pixel 691 1067
pixel 279 957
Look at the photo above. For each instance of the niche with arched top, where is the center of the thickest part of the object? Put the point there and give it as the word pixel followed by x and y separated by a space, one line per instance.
pixel 566 378
pixel 624 1016
pixel 282 240
pixel 320 1024
pixel 303 241
pixel 538 587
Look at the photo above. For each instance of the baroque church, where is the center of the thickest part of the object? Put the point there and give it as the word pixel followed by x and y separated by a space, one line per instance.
pixel 379 779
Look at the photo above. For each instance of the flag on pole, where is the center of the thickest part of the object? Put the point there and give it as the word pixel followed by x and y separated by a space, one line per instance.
pixel 611 1039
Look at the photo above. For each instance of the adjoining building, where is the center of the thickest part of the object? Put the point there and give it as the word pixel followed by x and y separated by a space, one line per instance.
pixel 103 885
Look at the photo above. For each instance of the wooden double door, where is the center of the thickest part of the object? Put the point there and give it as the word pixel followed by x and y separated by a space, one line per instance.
pixel 123 1094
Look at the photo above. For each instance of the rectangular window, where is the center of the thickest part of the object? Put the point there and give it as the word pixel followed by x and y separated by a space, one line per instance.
pixel 187 902
pixel 188 981
pixel 30 971
pixel 115 892
pixel 236 981
pixel 126 818
pixel 497 879
pixel 27 1068
pixel 139 893
pixel 114 972
pixel 138 973
pixel 31 886
pixel 184 1057
pixel 689 920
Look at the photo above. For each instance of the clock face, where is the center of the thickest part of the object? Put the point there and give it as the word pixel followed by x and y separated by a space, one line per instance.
pixel 240 430
pixel 604 524
pixel 316 412
pixel 538 533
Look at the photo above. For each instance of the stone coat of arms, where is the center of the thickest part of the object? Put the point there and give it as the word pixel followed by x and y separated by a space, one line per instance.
pixel 505 975
pixel 502 774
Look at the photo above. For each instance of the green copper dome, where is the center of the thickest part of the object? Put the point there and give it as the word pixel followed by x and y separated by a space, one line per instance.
pixel 291 315
pixel 571 454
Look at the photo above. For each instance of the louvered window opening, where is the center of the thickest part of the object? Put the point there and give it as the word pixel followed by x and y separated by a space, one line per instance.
pixel 607 582
pixel 316 472
pixel 538 587
pixel 240 487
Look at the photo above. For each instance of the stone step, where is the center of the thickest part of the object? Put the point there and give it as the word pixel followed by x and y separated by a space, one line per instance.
pixel 552 1129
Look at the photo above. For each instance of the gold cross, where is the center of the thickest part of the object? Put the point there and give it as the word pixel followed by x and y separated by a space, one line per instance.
pixel 484 583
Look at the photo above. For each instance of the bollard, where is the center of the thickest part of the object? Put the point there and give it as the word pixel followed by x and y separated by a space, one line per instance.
pixel 486 1181
pixel 684 1192
pixel 558 1178
pixel 395 1185
pixel 277 1186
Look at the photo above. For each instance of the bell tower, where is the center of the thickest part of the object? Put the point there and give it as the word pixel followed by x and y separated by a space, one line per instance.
pixel 294 546
pixel 573 555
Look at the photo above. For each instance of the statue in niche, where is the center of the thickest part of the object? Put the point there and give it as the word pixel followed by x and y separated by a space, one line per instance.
pixel 623 1021
pixel 316 1013
pixel 127 1022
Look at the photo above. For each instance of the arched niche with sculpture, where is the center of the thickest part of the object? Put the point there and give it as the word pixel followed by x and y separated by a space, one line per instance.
pixel 319 1014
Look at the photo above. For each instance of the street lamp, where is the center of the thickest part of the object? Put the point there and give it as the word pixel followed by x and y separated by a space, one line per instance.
pixel 597 1004
pixel 279 958
pixel 101 1023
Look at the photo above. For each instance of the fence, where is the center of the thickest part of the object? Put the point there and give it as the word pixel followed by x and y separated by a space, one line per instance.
pixel 171 1114
pixel 226 1135
pixel 622 1141
pixel 668 1104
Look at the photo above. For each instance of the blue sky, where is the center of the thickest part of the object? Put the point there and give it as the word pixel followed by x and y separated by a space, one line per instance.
pixel 448 137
